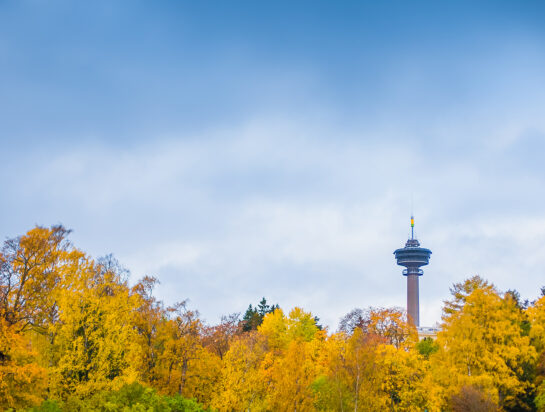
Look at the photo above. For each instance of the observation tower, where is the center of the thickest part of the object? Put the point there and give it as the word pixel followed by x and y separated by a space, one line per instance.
pixel 412 256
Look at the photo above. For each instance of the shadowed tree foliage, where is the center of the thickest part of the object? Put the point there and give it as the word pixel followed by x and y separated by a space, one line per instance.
pixel 471 399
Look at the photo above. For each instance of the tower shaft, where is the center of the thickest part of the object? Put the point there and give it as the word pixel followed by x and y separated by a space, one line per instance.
pixel 413 307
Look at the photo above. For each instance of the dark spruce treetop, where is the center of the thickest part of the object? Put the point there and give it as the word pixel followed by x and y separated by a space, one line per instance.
pixel 254 316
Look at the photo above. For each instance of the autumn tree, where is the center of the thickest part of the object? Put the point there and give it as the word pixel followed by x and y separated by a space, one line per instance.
pixel 483 344
pixel 349 377
pixel 149 315
pixel 29 275
pixel 22 379
pixel 182 351
pixel 403 384
pixel 290 376
pixel 388 323
pixel 94 346
pixel 217 338
pixel 289 367
pixel 242 387
pixel 371 364
pixel 536 315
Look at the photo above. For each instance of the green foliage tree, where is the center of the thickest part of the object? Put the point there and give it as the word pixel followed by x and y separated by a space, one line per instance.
pixel 131 397
pixel 426 347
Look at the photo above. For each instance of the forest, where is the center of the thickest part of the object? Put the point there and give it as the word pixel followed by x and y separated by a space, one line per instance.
pixel 75 335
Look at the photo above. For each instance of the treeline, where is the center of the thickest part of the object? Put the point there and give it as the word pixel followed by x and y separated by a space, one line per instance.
pixel 74 335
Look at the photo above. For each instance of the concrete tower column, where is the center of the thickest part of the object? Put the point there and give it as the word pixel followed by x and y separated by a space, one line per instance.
pixel 413 306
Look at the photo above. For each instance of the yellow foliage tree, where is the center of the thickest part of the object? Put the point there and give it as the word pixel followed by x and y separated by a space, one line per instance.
pixel 374 367
pixel 403 382
pixel 22 380
pixel 290 377
pixel 149 316
pixel 242 387
pixel 275 329
pixel 180 335
pixel 29 272
pixel 390 324
pixel 536 315
pixel 204 378
pixel 483 344
pixel 29 276
pixel 94 342
pixel 289 367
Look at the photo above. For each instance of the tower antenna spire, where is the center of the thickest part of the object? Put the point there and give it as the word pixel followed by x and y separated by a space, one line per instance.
pixel 412 215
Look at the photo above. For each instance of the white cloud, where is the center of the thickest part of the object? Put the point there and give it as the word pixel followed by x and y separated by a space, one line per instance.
pixel 283 210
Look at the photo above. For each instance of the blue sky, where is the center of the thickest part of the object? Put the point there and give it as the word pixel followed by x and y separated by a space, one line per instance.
pixel 245 149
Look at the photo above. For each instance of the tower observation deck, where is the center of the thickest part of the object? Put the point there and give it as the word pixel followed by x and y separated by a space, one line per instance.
pixel 412 256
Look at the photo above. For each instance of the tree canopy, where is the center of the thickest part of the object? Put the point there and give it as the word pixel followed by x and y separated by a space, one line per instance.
pixel 75 335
